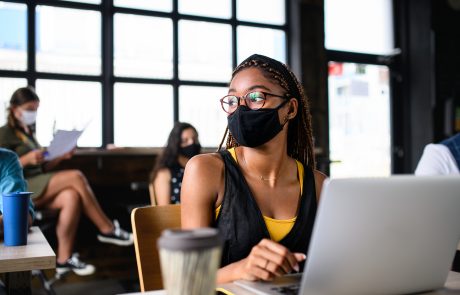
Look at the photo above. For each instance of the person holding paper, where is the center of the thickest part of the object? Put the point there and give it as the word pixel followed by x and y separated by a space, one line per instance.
pixel 66 190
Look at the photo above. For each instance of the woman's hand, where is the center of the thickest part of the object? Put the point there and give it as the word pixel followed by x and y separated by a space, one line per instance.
pixel 267 260
pixel 33 157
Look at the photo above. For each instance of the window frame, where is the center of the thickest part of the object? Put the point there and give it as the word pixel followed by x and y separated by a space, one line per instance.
pixel 107 77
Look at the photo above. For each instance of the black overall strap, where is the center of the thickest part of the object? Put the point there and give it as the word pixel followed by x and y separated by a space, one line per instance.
pixel 241 223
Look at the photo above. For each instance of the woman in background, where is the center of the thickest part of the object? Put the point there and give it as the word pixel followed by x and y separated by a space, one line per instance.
pixel 66 190
pixel 167 174
pixel 262 191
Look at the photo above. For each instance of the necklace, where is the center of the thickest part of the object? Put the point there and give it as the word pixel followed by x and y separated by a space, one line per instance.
pixel 260 177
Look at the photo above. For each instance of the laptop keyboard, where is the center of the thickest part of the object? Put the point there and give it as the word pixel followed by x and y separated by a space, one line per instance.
pixel 289 289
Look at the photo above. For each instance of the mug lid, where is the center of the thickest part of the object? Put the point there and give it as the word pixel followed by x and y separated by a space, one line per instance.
pixel 17 194
pixel 194 239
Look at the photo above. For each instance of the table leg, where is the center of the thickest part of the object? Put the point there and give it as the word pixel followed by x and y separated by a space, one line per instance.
pixel 18 283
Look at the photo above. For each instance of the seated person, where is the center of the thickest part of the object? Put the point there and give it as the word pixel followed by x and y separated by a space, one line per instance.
pixel 166 176
pixel 66 190
pixel 11 181
pixel 262 191
pixel 441 158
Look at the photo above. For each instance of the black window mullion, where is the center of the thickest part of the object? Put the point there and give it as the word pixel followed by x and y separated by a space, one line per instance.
pixel 31 64
pixel 107 73
pixel 176 83
pixel 287 31
pixel 234 35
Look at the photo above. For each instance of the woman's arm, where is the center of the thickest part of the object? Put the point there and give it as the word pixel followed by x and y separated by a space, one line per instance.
pixel 50 165
pixel 203 181
pixel 162 187
pixel 320 177
pixel 33 157
pixel 202 185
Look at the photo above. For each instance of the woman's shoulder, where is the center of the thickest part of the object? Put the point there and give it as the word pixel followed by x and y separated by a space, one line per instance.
pixel 6 130
pixel 209 161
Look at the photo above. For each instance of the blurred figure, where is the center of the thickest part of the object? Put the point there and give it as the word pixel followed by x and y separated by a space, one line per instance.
pixel 441 159
pixel 11 181
pixel 66 190
pixel 167 174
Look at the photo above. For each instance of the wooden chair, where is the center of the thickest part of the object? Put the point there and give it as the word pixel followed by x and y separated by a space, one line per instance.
pixel 148 223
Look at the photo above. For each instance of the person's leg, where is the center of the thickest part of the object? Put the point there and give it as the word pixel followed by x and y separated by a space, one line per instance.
pixel 75 180
pixel 69 204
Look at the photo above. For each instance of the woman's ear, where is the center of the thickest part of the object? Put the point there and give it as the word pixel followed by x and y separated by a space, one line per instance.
pixel 293 107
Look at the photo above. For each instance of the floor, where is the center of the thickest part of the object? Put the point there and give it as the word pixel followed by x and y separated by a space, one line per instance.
pixel 116 269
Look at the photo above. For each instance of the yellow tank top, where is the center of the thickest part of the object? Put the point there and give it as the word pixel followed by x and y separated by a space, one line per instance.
pixel 277 228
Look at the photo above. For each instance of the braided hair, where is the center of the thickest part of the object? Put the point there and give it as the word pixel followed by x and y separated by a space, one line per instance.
pixel 300 135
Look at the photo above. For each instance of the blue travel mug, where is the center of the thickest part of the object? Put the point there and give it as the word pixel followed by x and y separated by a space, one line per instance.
pixel 15 218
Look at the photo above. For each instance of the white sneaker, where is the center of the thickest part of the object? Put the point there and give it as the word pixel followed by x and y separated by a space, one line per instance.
pixel 76 265
pixel 118 236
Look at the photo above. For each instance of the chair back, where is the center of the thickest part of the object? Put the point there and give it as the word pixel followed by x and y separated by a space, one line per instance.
pixel 148 223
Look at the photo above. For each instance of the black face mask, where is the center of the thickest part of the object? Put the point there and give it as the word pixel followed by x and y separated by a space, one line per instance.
pixel 190 150
pixel 253 128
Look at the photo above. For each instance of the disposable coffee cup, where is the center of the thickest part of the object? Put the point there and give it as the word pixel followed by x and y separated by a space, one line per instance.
pixel 189 260
pixel 15 218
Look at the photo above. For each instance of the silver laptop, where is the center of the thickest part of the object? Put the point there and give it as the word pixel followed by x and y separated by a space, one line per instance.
pixel 393 235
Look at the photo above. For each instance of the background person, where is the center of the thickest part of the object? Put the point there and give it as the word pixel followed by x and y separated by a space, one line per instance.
pixel 262 192
pixel 440 158
pixel 167 174
pixel 66 190
pixel 11 181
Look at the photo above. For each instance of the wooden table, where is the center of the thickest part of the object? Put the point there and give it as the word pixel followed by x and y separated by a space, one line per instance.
pixel 451 287
pixel 17 262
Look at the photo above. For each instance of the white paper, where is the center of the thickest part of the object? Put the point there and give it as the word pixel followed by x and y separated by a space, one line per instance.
pixel 63 142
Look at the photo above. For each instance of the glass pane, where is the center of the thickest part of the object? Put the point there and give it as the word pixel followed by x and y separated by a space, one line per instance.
pixel 143 114
pixel 359 120
pixel 70 105
pixel 250 39
pixel 359 26
pixel 136 56
pixel 158 5
pixel 200 107
pixel 68 40
pixel 13 36
pixel 7 87
pixel 205 57
pixel 262 11
pixel 212 8
pixel 85 1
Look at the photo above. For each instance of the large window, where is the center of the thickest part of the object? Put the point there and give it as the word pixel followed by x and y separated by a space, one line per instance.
pixel 359 40
pixel 125 70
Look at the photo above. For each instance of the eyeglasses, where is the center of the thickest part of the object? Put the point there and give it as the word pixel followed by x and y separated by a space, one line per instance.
pixel 254 100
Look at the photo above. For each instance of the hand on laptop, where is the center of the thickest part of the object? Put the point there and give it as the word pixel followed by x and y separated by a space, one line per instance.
pixel 267 260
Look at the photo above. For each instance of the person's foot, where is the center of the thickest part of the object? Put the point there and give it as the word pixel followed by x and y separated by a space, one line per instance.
pixel 118 236
pixel 76 265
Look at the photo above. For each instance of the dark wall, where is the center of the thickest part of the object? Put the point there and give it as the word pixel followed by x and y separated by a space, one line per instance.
pixel 446 28
pixel 310 63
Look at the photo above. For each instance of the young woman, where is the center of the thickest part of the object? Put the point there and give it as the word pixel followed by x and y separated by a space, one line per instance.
pixel 262 191
pixel 66 190
pixel 166 176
